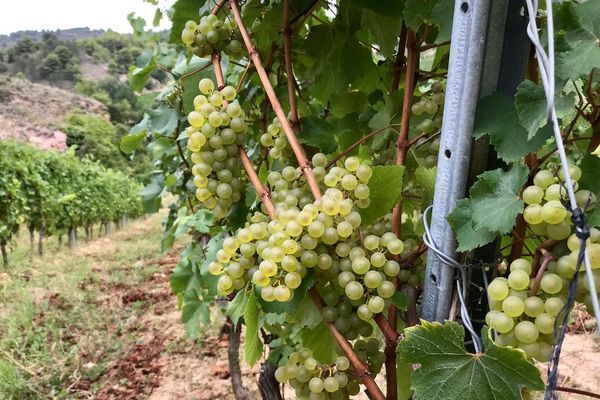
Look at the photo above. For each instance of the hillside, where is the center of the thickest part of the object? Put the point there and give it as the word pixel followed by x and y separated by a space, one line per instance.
pixel 33 112
pixel 62 34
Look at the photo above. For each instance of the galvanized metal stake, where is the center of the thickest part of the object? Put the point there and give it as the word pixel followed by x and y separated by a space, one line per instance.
pixel 467 52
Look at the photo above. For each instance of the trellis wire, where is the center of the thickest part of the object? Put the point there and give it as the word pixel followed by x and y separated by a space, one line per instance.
pixel 461 281
pixel 546 66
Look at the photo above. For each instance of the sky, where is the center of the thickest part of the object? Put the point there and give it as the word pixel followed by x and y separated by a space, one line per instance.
pixel 16 15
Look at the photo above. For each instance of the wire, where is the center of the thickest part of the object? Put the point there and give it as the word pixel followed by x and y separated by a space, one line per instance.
pixel 461 281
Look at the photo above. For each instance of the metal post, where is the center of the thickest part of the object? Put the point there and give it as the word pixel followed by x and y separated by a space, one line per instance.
pixel 467 52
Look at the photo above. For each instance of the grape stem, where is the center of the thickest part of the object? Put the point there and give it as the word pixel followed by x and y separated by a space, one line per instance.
pixel 298 150
pixel 260 190
pixel 402 146
pixel 535 262
pixel 548 257
pixel 360 369
pixel 357 143
pixel 289 71
pixel 243 77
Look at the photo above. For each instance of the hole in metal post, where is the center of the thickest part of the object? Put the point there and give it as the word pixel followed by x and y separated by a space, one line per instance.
pixel 448 153
pixel 464 7
pixel 433 278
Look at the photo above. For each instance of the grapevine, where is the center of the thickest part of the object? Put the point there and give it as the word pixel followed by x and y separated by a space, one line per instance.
pixel 309 195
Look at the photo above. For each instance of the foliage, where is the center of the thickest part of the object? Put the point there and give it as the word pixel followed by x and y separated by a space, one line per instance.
pixel 54 192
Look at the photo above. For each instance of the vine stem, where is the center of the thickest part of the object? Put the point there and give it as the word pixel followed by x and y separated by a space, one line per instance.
pixel 402 146
pixel 357 143
pixel 535 262
pixel 577 391
pixel 289 71
pixel 218 6
pixel 548 257
pixel 298 150
pixel 246 70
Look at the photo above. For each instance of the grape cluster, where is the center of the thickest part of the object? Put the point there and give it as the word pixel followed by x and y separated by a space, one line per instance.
pixel 544 212
pixel 431 106
pixel 312 380
pixel 274 140
pixel 217 127
pixel 212 34
pixel 525 321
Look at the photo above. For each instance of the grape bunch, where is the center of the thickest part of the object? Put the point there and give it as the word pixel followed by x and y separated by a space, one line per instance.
pixel 217 127
pixel 545 213
pixel 525 321
pixel 274 140
pixel 212 34
pixel 312 380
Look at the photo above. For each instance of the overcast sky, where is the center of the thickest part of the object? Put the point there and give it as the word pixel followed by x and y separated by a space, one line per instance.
pixel 17 15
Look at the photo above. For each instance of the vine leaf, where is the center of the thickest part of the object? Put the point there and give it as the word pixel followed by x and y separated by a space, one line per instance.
pixel 530 102
pixel 318 133
pixel 195 312
pixel 237 306
pixel 577 45
pixel 385 188
pixel 590 165
pixel 417 12
pixel 496 116
pixel 138 76
pixel 491 209
pixel 447 371
pixel 425 178
pixel 460 220
pixel 253 347
pixel 320 342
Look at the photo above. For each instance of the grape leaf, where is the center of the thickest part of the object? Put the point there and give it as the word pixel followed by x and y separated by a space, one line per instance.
pixel 425 179
pixel 577 45
pixel 150 194
pixel 132 141
pixel 404 373
pixel 495 199
pixel 253 347
pixel 442 15
pixel 590 165
pixel 386 7
pixel 320 342
pixel 237 306
pixel 194 313
pixel 384 30
pixel 400 300
pixel 447 371
pixel 460 220
pixel 138 76
pixel 385 190
pixel 496 116
pixel 530 102
pixel 318 133
pixel 163 120
pixel 417 12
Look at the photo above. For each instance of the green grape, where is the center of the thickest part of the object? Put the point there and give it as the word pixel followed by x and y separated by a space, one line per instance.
pixel 503 323
pixel 513 306
pixel 316 385
pixel 345 277
pixel 559 231
pixel 431 107
pixel 386 289
pixel 391 268
pixel 352 164
pixel 229 93
pixel 534 306
pixel 554 305
pixel 574 173
pixel 372 279
pixel 206 86
pixel 553 212
pixel 354 290
pixel 364 173
pixel 282 293
pixel 418 108
pixel 518 280
pixel 371 242
pixel 533 214
pixel 543 179
pixel 586 199
pixel 395 246
pixel 331 384
pixel 497 290
pixel 520 264
pixel 376 304
pixel 293 280
pixel 551 283
pixel 545 323
pixel 526 332
pixel 361 265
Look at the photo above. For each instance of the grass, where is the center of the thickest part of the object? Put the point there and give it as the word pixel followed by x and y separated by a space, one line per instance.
pixel 60 322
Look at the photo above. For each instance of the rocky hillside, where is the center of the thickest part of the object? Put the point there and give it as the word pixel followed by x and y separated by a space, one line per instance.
pixel 34 113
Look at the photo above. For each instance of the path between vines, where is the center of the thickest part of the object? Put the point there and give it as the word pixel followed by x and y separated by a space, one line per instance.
pixel 157 362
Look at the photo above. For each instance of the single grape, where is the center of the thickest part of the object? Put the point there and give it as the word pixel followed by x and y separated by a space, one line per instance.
pixel 497 290
pixel 513 306
pixel 518 280
pixel 551 283
pixel 526 332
